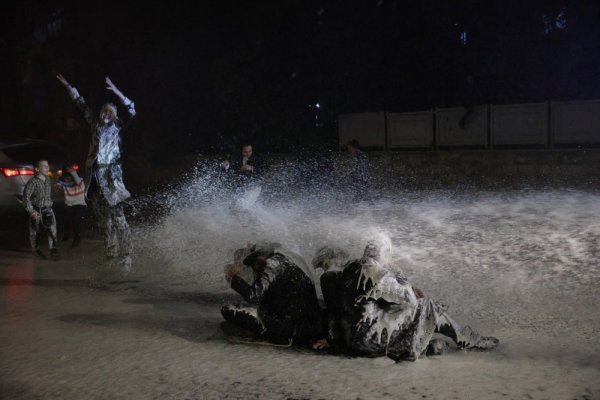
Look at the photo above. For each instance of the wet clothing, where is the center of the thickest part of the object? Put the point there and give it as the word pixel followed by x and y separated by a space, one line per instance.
pixel 37 197
pixel 283 300
pixel 47 224
pixel 379 314
pixel 103 162
pixel 114 227
pixel 37 194
pixel 104 179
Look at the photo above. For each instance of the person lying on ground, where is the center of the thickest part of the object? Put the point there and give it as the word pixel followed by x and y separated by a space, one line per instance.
pixel 373 310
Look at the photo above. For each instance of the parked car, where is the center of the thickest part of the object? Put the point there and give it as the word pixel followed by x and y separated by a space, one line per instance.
pixel 16 169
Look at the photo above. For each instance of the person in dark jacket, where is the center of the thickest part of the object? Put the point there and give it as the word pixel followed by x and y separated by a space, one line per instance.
pixel 246 165
pixel 282 298
pixel 378 312
pixel 104 173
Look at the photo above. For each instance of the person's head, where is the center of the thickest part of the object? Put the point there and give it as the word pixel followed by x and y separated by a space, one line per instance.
pixel 353 147
pixel 65 174
pixel 379 249
pixel 108 114
pixel 329 258
pixel 259 253
pixel 42 167
pixel 246 150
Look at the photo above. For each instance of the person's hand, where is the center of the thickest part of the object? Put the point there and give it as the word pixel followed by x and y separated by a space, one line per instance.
pixel 232 270
pixel 246 167
pixel 111 86
pixel 36 216
pixel 320 344
pixel 62 80
pixel 418 292
pixel 225 164
pixel 70 170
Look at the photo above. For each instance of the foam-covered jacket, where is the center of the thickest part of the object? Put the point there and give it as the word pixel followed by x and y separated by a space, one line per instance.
pixel 103 161
pixel 377 310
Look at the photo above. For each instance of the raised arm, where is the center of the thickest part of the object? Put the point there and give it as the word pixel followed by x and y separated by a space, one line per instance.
pixel 126 102
pixel 74 94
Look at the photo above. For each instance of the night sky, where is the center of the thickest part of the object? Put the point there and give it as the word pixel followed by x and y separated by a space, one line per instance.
pixel 207 76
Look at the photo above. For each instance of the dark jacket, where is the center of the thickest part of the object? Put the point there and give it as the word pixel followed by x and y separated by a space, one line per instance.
pixel 255 161
pixel 285 297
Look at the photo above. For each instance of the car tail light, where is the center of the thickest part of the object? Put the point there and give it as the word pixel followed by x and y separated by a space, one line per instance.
pixel 8 172
pixel 76 167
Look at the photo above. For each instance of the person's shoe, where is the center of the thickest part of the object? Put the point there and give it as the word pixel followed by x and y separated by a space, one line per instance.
pixel 485 343
pixel 474 341
pixel 125 264
pixel 38 253
pixel 75 242
pixel 54 255
pixel 436 347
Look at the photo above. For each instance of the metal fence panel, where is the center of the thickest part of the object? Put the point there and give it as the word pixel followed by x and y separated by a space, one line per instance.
pixel 575 122
pixel 368 128
pixel 449 133
pixel 519 124
pixel 410 130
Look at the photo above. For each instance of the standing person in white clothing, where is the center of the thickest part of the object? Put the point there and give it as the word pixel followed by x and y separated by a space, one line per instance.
pixel 104 174
pixel 74 189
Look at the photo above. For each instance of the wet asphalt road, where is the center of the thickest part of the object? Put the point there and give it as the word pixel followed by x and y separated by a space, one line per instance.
pixel 64 336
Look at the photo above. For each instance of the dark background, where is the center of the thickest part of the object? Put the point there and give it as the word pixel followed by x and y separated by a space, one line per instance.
pixel 206 76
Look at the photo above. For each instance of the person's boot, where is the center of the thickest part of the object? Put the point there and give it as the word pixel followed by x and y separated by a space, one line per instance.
pixel 39 254
pixel 54 255
pixel 474 341
pixel 125 265
pixel 76 241
pixel 437 347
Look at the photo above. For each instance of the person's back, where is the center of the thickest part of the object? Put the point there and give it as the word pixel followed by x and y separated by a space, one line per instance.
pixel 283 294
pixel 289 307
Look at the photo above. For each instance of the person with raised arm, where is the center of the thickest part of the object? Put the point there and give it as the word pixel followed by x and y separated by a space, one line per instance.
pixel 104 174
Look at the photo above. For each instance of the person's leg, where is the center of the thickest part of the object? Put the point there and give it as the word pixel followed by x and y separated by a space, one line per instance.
pixel 122 230
pixel 464 336
pixel 77 216
pixel 122 237
pixel 34 237
pixel 67 222
pixel 49 221
pixel 103 215
pixel 245 318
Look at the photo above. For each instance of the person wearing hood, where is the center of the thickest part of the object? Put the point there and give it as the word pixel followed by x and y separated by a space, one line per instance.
pixel 378 312
pixel 104 174
pixel 282 298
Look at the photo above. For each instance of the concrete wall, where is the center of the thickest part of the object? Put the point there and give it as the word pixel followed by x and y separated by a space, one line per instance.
pixel 410 130
pixel 575 122
pixel 535 125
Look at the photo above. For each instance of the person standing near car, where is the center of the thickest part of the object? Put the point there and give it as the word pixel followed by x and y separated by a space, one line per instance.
pixel 38 204
pixel 104 174
pixel 74 190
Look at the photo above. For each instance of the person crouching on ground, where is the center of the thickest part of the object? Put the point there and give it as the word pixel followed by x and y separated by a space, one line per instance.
pixel 74 190
pixel 282 297
pixel 38 204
